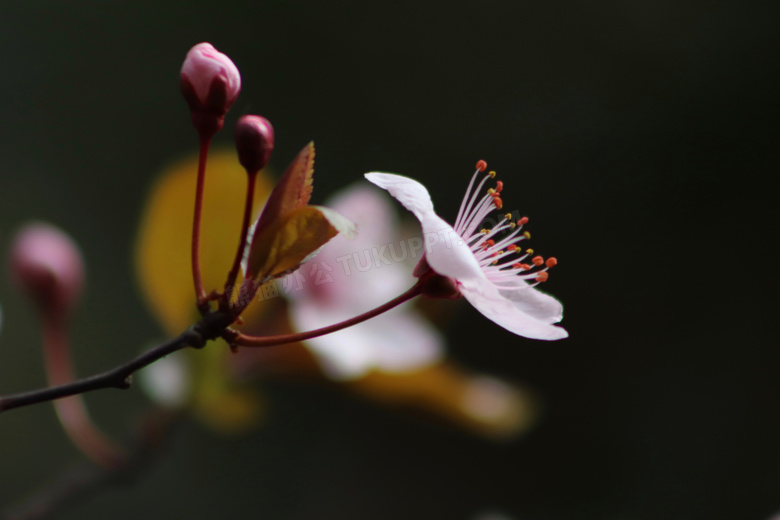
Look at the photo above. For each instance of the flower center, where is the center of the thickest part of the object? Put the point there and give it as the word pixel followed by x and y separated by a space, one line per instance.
pixel 496 249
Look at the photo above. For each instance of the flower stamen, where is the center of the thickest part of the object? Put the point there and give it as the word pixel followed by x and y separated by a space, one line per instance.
pixel 501 258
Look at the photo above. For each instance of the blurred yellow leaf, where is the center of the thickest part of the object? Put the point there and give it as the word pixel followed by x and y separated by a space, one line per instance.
pixel 483 404
pixel 162 252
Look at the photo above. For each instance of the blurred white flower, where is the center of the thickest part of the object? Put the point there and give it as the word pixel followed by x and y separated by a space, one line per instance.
pixel 167 381
pixel 350 277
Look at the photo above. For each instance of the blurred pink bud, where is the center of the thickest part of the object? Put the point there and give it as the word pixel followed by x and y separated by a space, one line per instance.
pixel 254 142
pixel 210 83
pixel 46 263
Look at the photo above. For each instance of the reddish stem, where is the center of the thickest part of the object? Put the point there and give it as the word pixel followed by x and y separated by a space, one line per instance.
pixel 243 340
pixel 248 206
pixel 72 411
pixel 200 293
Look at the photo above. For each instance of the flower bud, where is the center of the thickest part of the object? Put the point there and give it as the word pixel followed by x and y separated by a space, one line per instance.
pixel 210 83
pixel 47 265
pixel 254 142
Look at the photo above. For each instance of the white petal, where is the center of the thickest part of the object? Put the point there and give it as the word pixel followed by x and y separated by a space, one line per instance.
pixel 534 302
pixel 413 195
pixel 487 300
pixel 446 251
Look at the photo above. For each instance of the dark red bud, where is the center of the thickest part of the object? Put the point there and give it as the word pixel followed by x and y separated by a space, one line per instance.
pixel 254 142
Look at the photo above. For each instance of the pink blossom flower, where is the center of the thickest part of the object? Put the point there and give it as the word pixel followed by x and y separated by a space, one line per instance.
pixel 210 75
pixel 254 142
pixel 346 279
pixel 46 263
pixel 485 265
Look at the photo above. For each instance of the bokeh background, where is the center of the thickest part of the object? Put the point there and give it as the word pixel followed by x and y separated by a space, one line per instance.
pixel 639 135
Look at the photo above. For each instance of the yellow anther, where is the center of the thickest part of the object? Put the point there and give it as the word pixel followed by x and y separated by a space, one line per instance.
pixel 529 251
pixel 508 216
pixel 491 191
pixel 492 173
pixel 484 231
pixel 527 234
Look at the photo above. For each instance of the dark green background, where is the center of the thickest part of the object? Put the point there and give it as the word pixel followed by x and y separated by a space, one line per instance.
pixel 640 136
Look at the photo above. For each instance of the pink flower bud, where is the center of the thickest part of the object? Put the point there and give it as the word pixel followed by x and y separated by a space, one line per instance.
pixel 47 265
pixel 254 142
pixel 210 83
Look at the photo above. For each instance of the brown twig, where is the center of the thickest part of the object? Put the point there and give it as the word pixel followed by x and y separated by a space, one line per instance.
pixel 210 327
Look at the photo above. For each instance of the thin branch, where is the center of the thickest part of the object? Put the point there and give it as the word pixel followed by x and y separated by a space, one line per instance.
pixel 210 327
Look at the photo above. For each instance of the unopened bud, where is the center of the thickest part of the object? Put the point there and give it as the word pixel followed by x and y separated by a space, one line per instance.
pixel 210 83
pixel 46 264
pixel 254 142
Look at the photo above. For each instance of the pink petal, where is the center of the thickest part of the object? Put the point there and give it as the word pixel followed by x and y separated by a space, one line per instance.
pixel 486 299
